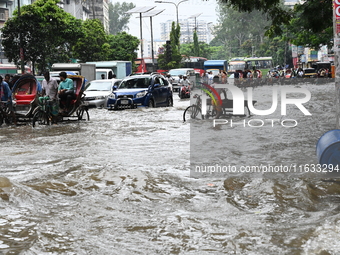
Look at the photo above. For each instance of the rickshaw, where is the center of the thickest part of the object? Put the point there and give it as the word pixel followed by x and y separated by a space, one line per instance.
pixel 45 113
pixel 25 94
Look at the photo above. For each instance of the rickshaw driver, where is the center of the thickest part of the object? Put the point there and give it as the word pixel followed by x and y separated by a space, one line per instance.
pixel 50 93
pixel 6 96
pixel 65 91
pixel 49 88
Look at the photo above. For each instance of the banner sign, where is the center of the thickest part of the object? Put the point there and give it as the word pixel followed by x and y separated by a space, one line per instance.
pixel 336 4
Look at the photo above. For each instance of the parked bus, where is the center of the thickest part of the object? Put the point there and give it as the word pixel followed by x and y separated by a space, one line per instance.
pixel 263 64
pixel 216 66
pixel 12 69
pixel 236 64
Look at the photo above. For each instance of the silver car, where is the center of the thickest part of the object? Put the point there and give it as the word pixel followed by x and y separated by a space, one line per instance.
pixel 97 91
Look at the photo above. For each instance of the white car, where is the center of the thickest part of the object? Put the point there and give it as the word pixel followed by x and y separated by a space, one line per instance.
pixel 97 91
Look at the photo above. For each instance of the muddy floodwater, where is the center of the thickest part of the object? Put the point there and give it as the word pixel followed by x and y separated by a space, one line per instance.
pixel 120 184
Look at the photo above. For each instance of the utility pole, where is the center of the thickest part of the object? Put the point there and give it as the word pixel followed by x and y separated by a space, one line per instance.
pixel 336 29
pixel 20 45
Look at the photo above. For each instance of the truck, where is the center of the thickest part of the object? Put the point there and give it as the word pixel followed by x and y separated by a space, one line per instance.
pixel 120 68
pixel 83 69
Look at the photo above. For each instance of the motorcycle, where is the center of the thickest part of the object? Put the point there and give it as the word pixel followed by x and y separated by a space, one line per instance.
pixel 184 92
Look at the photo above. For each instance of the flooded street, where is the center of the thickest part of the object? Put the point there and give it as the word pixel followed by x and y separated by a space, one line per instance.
pixel 120 184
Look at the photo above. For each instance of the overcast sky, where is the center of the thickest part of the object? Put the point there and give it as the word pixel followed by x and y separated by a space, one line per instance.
pixel 185 10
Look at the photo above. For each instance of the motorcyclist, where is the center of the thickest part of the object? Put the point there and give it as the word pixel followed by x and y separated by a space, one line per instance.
pixel 169 79
pixel 184 87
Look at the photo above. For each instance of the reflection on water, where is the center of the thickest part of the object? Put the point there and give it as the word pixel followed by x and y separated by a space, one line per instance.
pixel 120 184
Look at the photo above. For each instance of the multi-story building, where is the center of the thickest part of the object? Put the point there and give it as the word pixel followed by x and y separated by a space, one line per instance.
pixel 6 9
pixel 100 10
pixel 88 9
pixel 188 27
pixel 78 9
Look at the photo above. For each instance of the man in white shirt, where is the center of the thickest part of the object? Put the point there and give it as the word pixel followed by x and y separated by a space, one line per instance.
pixel 184 89
pixel 50 93
pixel 185 82
pixel 49 87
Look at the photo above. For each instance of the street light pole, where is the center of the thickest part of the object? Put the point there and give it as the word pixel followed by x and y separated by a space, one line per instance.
pixel 151 14
pixel 141 10
pixel 176 5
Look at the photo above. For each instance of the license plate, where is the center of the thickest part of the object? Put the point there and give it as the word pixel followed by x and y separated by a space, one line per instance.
pixel 124 101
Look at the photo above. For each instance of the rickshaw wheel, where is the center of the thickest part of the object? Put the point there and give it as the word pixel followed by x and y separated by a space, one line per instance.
pixel 1 119
pixel 40 118
pixel 82 113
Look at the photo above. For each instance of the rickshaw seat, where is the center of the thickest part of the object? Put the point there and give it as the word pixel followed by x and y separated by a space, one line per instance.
pixel 24 99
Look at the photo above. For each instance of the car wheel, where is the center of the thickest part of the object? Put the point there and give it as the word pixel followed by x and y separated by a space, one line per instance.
pixel 170 102
pixel 151 104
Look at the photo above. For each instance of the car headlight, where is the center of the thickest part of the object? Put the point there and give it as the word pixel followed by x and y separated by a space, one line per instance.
pixel 141 94
pixel 100 97
pixel 112 95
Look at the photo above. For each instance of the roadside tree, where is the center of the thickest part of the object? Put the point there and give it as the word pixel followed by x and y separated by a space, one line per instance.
pixel 118 17
pixel 175 58
pixel 93 46
pixel 46 32
pixel 205 50
pixel 123 46
pixel 310 22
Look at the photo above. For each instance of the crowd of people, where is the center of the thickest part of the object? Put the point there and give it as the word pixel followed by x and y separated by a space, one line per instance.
pixel 297 73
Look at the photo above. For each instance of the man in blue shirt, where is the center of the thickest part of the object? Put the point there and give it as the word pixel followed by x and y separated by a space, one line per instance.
pixel 5 92
pixel 65 92
pixel 6 97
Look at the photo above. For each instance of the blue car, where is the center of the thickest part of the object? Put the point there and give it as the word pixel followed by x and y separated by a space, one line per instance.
pixel 150 90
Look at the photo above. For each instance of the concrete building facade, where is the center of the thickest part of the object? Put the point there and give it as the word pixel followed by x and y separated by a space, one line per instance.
pixel 188 27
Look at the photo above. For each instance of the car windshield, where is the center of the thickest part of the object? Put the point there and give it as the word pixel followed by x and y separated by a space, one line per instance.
pixel 177 72
pixel 135 83
pixel 99 86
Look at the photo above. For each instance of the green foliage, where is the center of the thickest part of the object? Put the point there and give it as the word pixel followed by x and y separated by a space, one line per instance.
pixel 123 46
pixel 205 50
pixel 91 47
pixel 176 57
pixel 196 50
pixel 309 24
pixel 273 8
pixel 312 25
pixel 118 17
pixel 46 31
pixel 237 39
